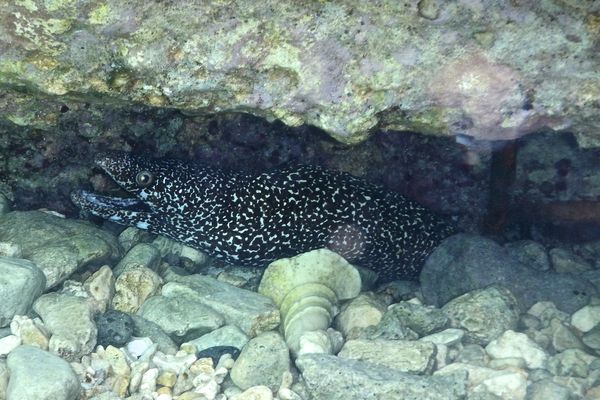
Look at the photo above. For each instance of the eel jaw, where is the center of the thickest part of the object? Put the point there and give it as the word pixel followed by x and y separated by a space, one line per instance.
pixel 126 211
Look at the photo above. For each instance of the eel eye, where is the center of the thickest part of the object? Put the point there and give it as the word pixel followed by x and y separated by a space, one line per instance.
pixel 144 179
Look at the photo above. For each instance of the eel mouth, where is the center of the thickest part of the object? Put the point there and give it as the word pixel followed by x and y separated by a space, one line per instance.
pixel 106 206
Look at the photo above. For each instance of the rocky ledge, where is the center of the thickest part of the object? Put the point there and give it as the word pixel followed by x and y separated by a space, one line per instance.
pixel 487 69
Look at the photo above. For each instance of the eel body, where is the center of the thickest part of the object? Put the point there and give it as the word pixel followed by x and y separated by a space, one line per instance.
pixel 252 220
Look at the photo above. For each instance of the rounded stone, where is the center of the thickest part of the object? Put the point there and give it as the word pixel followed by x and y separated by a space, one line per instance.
pixel 38 374
pixel 69 320
pixel 484 313
pixel 21 282
pixel 115 328
pixel 586 318
pixel 59 246
pixel 263 361
pixel 516 344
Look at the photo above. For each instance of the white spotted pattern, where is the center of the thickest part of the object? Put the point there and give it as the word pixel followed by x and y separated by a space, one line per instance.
pixel 255 219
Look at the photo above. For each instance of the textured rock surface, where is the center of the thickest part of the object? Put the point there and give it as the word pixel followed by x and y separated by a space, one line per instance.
pixel 247 310
pixel 228 335
pixel 69 320
pixel 333 378
pixel 21 282
pixel 410 356
pixel 465 262
pixel 37 374
pixel 57 245
pixel 133 287
pixel 182 317
pixel 115 328
pixel 145 328
pixel 479 68
pixel 263 361
pixel 483 313
pixel 516 344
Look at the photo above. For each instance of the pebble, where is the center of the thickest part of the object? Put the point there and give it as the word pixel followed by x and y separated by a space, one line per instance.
pixel 421 319
pixel 571 362
pixel 38 374
pixel 232 279
pixel 182 317
pixel 58 246
pixel 148 384
pixel 131 236
pixel 141 255
pixel 30 331
pixel 364 310
pixel 175 363
pixel 473 354
pixel 215 353
pixel 506 384
pixel 546 311
pixel 262 361
pixel 138 368
pixel 592 338
pixel 22 283
pixel 8 344
pixel 586 318
pixel 563 337
pixel 447 337
pixel 390 328
pixel 510 385
pixel 415 357
pixel 228 335
pixel 139 347
pixel 255 393
pixel 69 320
pixel 484 313
pixel 190 257
pixel 117 360
pixel 133 287
pixel 516 344
pixel 115 328
pixel 167 378
pixel 144 328
pixel 100 287
pixel 249 311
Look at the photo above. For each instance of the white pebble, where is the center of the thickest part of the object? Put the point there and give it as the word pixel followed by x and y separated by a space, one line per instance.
pixel 256 393
pixel 208 389
pixel 586 318
pixel 148 384
pixel 8 344
pixel 287 394
pixel 511 385
pixel 516 344
pixel 176 364
pixel 139 346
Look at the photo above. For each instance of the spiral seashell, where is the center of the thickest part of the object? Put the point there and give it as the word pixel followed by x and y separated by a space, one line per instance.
pixel 307 289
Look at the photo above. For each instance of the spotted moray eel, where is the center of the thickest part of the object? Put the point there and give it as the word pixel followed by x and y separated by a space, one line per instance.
pixel 253 219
